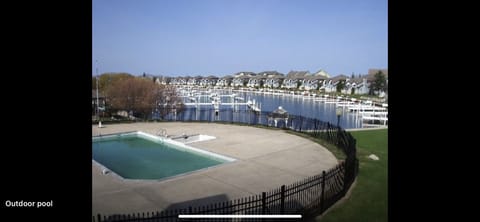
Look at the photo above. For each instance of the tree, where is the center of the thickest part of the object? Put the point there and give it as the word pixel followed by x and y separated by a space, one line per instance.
pixel 167 100
pixel 108 79
pixel 340 85
pixel 139 96
pixel 280 83
pixel 94 82
pixel 379 83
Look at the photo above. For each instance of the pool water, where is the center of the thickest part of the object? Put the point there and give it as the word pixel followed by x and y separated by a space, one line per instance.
pixel 136 156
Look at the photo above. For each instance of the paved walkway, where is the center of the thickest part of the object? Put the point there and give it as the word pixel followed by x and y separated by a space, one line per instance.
pixel 266 159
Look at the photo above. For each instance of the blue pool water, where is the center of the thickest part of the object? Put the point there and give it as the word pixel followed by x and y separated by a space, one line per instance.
pixel 136 156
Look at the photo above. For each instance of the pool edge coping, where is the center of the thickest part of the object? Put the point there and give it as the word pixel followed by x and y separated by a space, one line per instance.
pixel 227 159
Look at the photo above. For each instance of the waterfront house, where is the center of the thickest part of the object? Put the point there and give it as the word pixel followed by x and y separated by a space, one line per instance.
pixel 293 78
pixel 194 81
pixel 256 81
pixel 241 79
pixel 178 81
pixel 224 81
pixel 331 85
pixel 274 82
pixel 163 80
pixel 209 81
pixel 272 79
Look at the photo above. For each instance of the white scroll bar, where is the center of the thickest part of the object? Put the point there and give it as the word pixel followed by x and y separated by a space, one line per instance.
pixel 239 216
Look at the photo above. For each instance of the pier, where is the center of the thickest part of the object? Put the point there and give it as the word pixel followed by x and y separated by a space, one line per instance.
pixel 366 112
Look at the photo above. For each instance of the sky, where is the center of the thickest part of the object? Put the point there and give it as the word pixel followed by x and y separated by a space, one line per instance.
pixel 222 37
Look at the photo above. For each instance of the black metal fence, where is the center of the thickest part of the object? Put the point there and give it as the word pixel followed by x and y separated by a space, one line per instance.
pixel 310 196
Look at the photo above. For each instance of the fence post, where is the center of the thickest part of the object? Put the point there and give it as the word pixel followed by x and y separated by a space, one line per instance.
pixel 322 197
pixel 282 201
pixel 339 138
pixel 264 202
pixel 346 166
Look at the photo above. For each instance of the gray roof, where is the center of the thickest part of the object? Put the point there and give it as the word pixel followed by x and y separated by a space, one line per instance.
pixel 244 74
pixel 279 113
pixel 322 73
pixel 339 77
pixel 315 77
pixel 212 77
pixel 227 77
pixel 243 77
pixel 297 74
pixel 268 73
pixel 280 110
pixel 357 80
pixel 279 77
pixel 259 77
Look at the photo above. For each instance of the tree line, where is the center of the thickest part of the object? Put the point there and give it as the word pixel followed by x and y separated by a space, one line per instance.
pixel 138 96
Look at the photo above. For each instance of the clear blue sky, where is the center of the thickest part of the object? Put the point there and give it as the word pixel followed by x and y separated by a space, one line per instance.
pixel 220 37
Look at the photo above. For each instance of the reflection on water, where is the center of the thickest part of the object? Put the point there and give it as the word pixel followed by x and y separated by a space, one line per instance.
pixel 295 105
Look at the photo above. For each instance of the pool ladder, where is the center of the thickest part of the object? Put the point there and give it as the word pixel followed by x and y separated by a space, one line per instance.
pixel 162 133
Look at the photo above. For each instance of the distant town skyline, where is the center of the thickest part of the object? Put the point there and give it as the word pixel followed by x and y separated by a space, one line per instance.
pixel 214 37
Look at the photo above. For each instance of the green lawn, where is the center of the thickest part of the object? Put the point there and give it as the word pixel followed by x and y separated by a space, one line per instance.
pixel 369 198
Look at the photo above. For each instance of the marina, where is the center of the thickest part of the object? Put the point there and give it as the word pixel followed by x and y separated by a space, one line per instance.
pixel 356 113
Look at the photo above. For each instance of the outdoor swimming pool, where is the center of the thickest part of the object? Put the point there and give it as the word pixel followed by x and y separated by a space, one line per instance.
pixel 138 155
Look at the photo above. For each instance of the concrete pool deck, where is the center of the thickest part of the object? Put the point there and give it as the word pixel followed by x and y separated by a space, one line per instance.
pixel 266 159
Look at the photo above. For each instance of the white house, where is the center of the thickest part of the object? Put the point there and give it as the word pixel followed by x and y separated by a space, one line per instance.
pixel 224 81
pixel 272 79
pixel 293 78
pixel 331 84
